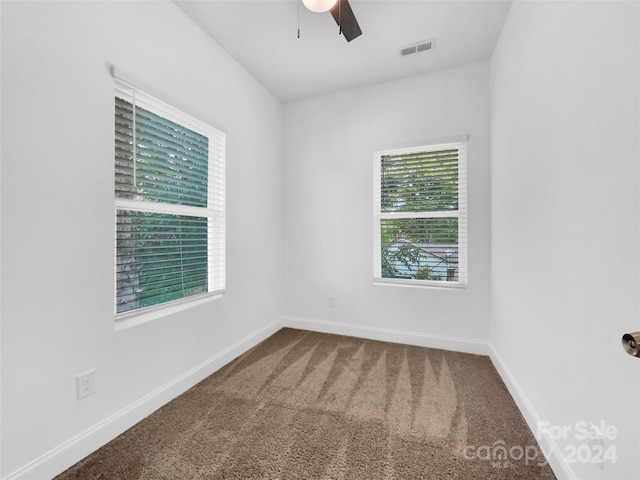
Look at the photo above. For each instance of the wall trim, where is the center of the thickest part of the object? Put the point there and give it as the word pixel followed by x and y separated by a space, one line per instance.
pixel 548 445
pixel 456 344
pixel 72 451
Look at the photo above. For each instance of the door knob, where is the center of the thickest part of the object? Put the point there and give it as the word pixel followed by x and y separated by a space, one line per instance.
pixel 631 343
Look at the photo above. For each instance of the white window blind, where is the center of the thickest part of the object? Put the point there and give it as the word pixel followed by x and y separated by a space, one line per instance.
pixel 169 203
pixel 420 216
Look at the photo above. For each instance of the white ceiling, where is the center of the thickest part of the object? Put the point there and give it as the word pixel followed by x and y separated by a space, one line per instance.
pixel 262 37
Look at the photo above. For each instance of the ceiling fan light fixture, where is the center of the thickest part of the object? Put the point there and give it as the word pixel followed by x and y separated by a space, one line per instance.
pixel 319 6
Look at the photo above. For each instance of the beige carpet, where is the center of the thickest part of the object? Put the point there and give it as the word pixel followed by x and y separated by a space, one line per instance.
pixel 309 405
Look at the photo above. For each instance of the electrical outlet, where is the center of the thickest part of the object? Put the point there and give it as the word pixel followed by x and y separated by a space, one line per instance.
pixel 86 384
pixel 331 301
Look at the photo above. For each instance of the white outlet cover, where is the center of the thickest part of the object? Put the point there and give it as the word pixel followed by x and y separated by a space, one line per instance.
pixel 86 384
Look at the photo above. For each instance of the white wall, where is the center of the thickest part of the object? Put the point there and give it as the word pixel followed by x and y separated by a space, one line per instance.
pixel 565 196
pixel 329 145
pixel 58 219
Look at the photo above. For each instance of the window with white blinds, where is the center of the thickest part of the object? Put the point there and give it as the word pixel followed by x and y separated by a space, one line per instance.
pixel 420 215
pixel 169 203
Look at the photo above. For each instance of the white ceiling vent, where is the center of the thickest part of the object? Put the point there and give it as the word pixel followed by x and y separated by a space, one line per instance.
pixel 418 47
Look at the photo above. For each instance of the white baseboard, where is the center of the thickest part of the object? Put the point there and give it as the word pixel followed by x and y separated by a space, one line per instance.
pixel 69 453
pixel 455 344
pixel 548 445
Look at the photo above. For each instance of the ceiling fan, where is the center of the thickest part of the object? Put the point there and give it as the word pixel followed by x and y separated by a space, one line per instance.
pixel 342 14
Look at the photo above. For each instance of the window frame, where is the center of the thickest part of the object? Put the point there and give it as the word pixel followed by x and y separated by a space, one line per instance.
pixel 459 142
pixel 214 211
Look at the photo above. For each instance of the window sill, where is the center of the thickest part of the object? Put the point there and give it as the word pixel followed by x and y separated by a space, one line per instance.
pixel 391 282
pixel 124 321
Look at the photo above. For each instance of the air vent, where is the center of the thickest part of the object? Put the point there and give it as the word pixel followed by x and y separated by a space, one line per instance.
pixel 418 47
pixel 408 51
pixel 423 47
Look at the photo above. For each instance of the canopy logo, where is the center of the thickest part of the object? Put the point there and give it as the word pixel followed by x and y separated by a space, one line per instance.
pixel 501 456
pixel 582 442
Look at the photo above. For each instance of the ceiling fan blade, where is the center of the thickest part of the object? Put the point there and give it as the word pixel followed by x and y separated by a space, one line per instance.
pixel 346 20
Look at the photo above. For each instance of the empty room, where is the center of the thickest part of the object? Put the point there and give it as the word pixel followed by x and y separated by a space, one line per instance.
pixel 321 239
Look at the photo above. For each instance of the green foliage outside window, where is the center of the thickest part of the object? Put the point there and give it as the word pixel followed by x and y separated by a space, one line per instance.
pixel 160 256
pixel 420 182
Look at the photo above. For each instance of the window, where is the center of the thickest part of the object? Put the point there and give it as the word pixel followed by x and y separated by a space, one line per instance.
pixel 420 215
pixel 169 202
